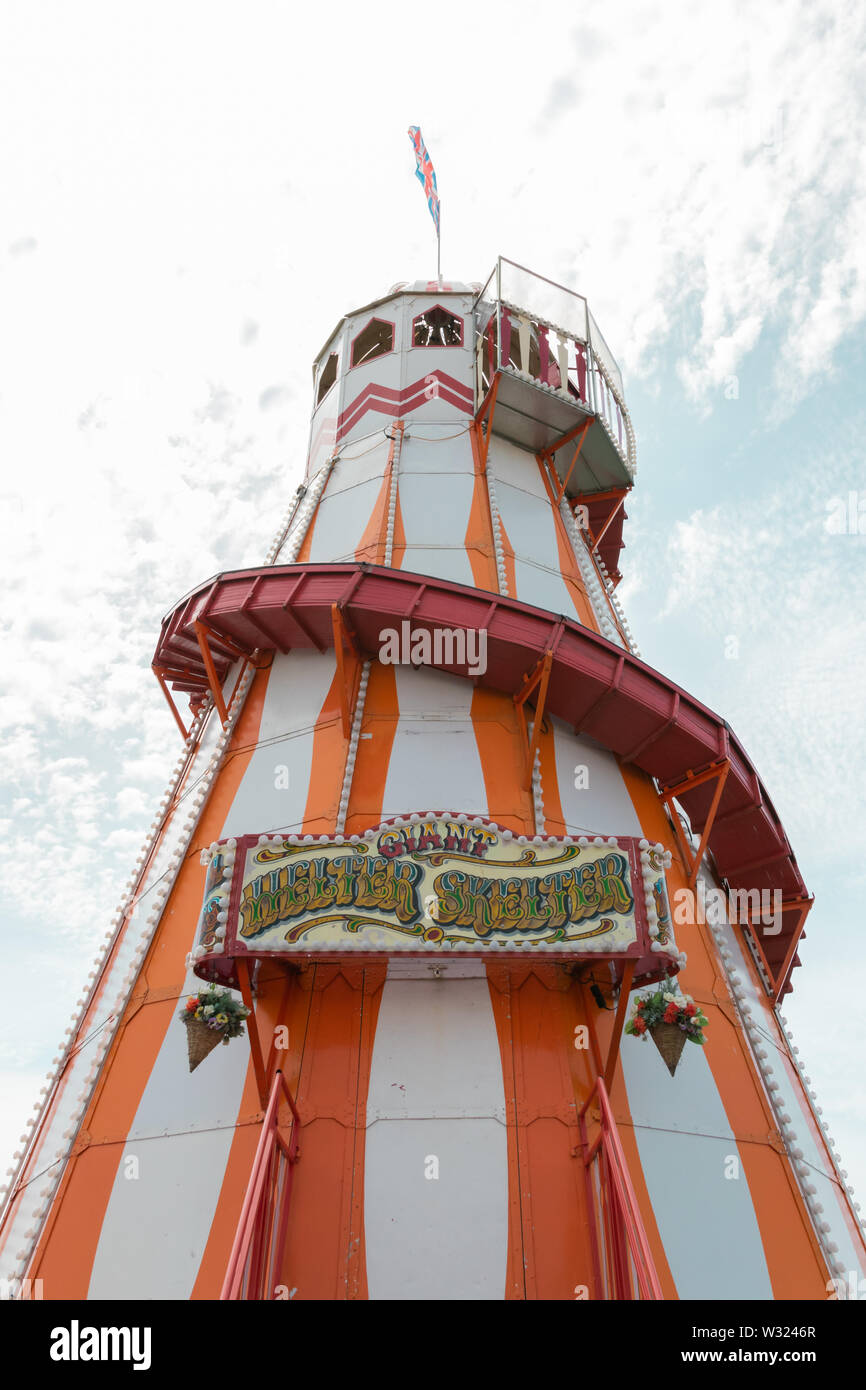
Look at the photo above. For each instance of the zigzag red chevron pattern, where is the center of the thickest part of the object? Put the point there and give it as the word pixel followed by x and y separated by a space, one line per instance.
pixel 386 401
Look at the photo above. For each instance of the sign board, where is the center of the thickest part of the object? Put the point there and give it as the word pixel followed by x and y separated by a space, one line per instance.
pixel 426 884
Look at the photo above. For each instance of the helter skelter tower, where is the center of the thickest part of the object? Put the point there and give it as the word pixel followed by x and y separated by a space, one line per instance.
pixel 434 818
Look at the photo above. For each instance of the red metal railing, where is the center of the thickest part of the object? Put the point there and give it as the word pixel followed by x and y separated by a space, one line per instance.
pixel 261 1234
pixel 624 1268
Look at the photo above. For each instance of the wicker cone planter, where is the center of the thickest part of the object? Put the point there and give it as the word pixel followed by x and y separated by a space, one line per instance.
pixel 670 1040
pixel 200 1041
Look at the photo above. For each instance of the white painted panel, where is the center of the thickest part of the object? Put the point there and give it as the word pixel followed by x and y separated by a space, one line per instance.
pixel 359 463
pixel 155 1229
pixel 435 515
pixel 707 1222
pixel 157 1225
pixel 456 362
pixel 791 1098
pixel 297 687
pixel 435 512
pixel 443 563
pixel 434 763
pixel 436 1089
pixel 322 438
pixel 529 523
pixel 437 451
pixel 341 521
pixel 604 806
pixel 518 468
pixel 851 1255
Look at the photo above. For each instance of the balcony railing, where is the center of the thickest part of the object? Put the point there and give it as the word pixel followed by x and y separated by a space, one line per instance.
pixel 260 1238
pixel 555 348
pixel 623 1262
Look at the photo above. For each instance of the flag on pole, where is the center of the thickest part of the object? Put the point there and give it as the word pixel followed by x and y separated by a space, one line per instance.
pixel 425 173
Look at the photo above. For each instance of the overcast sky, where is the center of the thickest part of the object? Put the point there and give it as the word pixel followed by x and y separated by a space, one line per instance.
pixel 192 194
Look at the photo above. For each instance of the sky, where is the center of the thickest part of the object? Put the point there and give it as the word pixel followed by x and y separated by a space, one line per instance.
pixel 192 196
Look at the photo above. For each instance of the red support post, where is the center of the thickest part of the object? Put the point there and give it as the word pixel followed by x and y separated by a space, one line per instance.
pixel 720 771
pixel 625 1238
pixel 540 677
pixel 243 971
pixel 485 411
pixel 259 1239
pixel 619 1022
pixel 348 687
pixel 157 671
pixel 213 682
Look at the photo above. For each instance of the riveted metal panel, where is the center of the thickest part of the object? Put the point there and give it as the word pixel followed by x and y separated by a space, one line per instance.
pixel 434 758
pixel 436 1094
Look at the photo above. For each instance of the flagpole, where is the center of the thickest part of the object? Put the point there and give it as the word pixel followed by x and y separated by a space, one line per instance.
pixel 439 248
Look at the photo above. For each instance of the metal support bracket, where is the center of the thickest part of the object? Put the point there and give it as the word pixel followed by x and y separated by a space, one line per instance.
pixel 349 685
pixel 719 770
pixel 618 1022
pixel 159 672
pixel 538 679
pixel 485 414
pixel 579 433
pixel 243 972
pixel 780 974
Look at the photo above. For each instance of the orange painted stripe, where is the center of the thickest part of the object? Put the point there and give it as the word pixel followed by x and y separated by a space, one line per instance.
pixel 554 816
pixel 508 559
pixel 328 761
pixel 479 529
pixel 501 748
pixel 324 1245
pixel 304 552
pixel 498 983
pixel 572 577
pixel 538 1009
pixel 64 1258
pixel 381 712
pixel 371 547
pixel 373 984
pixel 793 1256
pixel 398 549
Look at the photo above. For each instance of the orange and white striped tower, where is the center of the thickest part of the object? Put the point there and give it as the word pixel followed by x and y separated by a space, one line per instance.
pixel 440 825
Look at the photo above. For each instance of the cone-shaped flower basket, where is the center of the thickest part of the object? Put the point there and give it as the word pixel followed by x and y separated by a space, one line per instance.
pixel 213 1005
pixel 670 1040
pixel 200 1040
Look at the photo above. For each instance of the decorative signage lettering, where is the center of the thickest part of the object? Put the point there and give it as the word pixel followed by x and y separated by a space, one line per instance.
pixel 425 884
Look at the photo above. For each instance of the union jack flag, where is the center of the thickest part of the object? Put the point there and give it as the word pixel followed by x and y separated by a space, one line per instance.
pixel 425 173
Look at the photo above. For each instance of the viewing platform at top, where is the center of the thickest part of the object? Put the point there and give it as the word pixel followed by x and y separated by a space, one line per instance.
pixel 543 370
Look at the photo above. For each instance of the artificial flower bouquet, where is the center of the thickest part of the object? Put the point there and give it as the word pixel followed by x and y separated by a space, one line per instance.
pixel 212 1016
pixel 669 1018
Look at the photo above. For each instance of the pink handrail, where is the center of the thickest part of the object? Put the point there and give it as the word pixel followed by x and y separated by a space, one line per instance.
pixel 261 1233
pixel 622 1245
